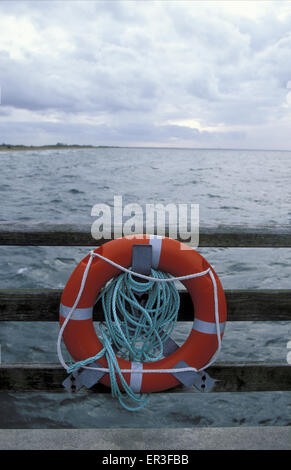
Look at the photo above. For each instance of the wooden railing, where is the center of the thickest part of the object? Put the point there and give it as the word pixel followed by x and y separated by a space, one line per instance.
pixel 243 305
pixel 40 234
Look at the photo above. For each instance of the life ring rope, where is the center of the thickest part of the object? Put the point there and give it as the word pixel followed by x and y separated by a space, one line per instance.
pixel 139 370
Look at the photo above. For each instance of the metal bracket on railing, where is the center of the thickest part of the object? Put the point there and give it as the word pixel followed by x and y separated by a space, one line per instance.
pixel 141 263
pixel 142 259
pixel 83 377
pixel 169 347
pixel 201 380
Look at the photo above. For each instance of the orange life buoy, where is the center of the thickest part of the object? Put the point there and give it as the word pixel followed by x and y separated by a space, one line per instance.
pixel 170 256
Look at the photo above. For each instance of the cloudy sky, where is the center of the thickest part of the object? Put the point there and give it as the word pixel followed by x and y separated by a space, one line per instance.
pixel 146 73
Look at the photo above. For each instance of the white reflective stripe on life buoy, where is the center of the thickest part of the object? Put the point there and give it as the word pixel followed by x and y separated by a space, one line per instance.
pixel 79 313
pixel 207 327
pixel 136 378
pixel 156 243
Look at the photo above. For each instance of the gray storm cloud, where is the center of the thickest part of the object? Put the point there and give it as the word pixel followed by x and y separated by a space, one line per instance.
pixel 145 73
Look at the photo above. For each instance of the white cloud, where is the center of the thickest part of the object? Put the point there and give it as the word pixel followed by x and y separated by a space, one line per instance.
pixel 156 73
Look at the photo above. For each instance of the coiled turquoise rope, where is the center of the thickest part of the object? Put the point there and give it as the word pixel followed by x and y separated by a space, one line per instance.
pixel 139 317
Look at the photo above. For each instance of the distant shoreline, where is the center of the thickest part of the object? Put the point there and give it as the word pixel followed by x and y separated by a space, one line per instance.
pixel 8 147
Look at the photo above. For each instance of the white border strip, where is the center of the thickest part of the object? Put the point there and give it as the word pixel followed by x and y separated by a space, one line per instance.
pixel 207 327
pixel 78 314
pixel 136 377
pixel 156 242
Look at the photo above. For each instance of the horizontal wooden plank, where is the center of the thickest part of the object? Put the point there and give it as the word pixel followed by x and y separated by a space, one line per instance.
pixel 231 377
pixel 42 234
pixel 242 305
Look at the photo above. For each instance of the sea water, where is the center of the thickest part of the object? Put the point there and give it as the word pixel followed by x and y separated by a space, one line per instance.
pixel 243 187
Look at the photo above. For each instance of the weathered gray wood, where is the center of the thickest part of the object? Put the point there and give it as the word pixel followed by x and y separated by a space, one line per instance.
pixel 80 235
pixel 178 438
pixel 242 305
pixel 231 377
